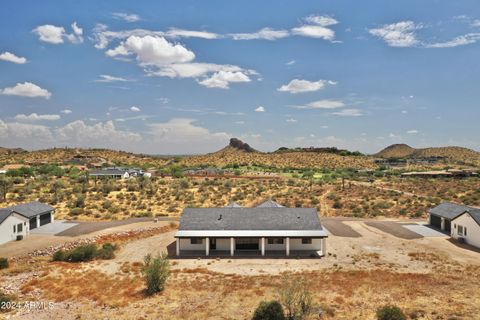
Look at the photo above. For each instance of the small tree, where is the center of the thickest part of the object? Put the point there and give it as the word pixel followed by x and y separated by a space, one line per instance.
pixel 390 313
pixel 296 298
pixel 269 310
pixel 155 272
pixel 4 263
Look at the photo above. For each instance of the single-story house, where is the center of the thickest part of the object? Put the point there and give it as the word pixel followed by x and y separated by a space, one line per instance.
pixel 18 220
pixel 109 173
pixel 264 230
pixel 459 221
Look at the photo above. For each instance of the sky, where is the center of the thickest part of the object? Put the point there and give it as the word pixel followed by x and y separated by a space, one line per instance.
pixel 183 77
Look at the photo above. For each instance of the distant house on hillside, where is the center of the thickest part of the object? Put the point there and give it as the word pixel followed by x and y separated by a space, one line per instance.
pixel 17 221
pixel 452 173
pixel 266 230
pixel 119 173
pixel 461 222
pixel 205 172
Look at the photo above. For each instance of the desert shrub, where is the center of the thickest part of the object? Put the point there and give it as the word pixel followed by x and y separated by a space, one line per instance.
pixel 390 313
pixel 83 253
pixel 269 310
pixel 4 301
pixel 76 211
pixel 296 298
pixel 59 255
pixel 107 251
pixel 4 264
pixel 155 273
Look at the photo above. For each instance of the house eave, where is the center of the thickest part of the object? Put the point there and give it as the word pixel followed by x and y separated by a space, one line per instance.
pixel 251 233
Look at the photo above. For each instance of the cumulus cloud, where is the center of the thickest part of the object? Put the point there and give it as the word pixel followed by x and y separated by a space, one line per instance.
pixel 260 109
pixel 317 26
pixel 37 117
pixel 400 34
pixel 180 134
pixel 66 111
pixel 348 113
pixel 455 42
pixel 56 35
pixel 108 78
pixel 322 104
pixel 320 20
pixel 152 50
pixel 291 120
pixel 413 131
pixel 265 34
pixel 26 89
pixel 135 109
pixel 298 85
pixel 126 16
pixel 222 79
pixel 10 57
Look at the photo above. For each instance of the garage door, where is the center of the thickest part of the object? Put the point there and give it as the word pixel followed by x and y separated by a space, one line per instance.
pixel 447 225
pixel 435 221
pixel 33 223
pixel 45 219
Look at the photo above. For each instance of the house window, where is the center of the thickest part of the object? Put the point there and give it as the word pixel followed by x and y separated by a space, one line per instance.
pixel 14 229
pixel 19 228
pixel 196 240
pixel 275 240
pixel 460 230
pixel 465 231
pixel 306 240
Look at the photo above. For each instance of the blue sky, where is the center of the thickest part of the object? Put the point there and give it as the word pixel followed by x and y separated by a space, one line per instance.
pixel 185 76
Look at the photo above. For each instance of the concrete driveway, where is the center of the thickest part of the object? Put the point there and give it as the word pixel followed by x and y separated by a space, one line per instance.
pixel 53 228
pixel 425 230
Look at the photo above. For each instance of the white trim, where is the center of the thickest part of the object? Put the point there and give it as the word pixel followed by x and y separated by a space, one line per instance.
pixel 251 233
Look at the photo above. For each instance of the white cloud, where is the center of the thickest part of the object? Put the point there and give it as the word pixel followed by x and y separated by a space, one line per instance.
pixel 265 34
pixel 55 35
pixel 322 104
pixel 241 122
pixel 26 89
pixel 298 86
pixel 152 50
pixel 400 34
pixel 314 31
pixel 37 117
pixel 289 63
pixel 135 109
pixel 348 113
pixel 323 21
pixel 291 120
pixel 222 79
pixel 126 17
pixel 260 109
pixel 108 78
pixel 181 134
pixel 10 57
pixel 413 131
pixel 66 111
pixel 455 42
pixel 181 33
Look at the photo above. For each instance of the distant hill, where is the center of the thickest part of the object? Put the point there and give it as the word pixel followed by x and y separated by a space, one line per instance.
pixel 241 153
pixel 458 155
pixel 11 150
pixel 333 150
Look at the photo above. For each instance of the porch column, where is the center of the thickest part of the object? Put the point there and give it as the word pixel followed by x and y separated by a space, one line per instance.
pixel 429 219
pixel 207 246
pixel 288 246
pixel 442 225
pixel 324 246
pixel 178 246
pixel 232 246
pixel 52 215
pixel 263 246
pixel 38 221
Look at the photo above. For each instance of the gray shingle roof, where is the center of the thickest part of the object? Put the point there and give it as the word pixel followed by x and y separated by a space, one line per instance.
pixel 450 210
pixel 250 219
pixel 30 209
pixel 475 213
pixel 4 214
pixel 107 172
pixel 270 204
pixel 233 205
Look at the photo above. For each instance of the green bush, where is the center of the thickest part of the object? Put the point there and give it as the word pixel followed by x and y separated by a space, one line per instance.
pixel 59 255
pixel 390 313
pixel 269 310
pixel 155 272
pixel 4 264
pixel 107 251
pixel 4 299
pixel 83 253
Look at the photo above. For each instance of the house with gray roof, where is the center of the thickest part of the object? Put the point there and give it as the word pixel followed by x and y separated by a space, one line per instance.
pixel 265 230
pixel 17 221
pixel 460 221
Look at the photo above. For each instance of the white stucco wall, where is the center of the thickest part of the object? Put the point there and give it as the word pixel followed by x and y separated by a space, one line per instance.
pixel 186 245
pixel 275 247
pixel 296 244
pixel 223 244
pixel 473 229
pixel 6 228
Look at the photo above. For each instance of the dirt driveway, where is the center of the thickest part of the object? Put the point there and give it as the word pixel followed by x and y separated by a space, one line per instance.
pixel 394 228
pixel 337 228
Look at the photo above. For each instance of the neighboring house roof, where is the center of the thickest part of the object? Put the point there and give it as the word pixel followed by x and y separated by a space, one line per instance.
pixel 270 204
pixel 474 213
pixel 107 172
pixel 4 214
pixel 293 219
pixel 30 209
pixel 233 205
pixel 450 210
